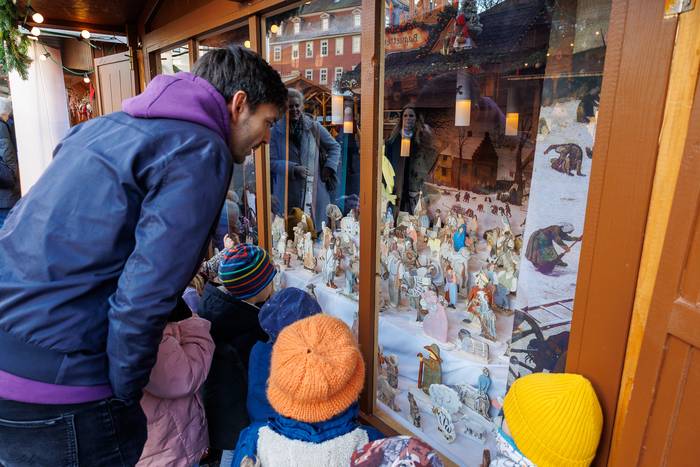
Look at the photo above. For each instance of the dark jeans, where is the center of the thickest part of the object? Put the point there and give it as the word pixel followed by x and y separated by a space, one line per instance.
pixel 110 432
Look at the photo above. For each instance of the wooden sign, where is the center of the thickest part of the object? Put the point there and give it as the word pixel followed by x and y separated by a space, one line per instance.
pixel 405 40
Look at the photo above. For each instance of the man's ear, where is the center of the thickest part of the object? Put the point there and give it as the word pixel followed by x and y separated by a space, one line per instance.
pixel 239 101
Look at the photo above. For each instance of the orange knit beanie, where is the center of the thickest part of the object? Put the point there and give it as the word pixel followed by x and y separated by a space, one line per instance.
pixel 316 371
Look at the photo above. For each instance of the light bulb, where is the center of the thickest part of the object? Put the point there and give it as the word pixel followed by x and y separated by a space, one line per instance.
pixel 85 33
pixel 86 79
pixel 35 31
pixel 274 28
pixel 246 44
pixel 38 18
pixel 42 57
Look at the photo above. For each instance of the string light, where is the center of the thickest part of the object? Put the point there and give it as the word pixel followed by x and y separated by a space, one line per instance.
pixel 274 28
pixel 246 44
pixel 38 17
pixel 85 34
pixel 86 79
pixel 35 31
pixel 34 38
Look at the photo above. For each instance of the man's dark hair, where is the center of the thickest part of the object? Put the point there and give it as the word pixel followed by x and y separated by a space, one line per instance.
pixel 236 69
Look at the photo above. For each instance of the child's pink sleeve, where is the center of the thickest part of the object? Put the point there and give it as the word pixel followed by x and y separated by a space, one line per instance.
pixel 184 358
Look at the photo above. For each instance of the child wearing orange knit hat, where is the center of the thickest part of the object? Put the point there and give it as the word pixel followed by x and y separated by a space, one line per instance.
pixel 550 420
pixel 316 376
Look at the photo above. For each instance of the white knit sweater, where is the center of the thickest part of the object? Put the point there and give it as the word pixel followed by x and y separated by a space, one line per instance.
pixel 276 450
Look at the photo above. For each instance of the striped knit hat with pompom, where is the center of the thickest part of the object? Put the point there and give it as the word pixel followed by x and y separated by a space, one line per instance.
pixel 245 270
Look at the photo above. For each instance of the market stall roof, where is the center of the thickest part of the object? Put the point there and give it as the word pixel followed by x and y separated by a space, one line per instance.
pixel 108 16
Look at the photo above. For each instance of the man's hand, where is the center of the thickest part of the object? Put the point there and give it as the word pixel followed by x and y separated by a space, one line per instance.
pixel 301 172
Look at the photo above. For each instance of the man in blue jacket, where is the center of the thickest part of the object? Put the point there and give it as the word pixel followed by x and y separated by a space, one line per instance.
pixel 93 258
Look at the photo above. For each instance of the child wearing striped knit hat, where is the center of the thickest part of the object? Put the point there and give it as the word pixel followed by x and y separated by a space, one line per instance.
pixel 246 273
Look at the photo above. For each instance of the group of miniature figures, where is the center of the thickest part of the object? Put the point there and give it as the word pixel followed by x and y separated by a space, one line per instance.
pixel 472 404
pixel 335 251
pixel 425 262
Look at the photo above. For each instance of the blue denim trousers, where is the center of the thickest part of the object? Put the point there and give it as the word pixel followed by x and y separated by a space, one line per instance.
pixel 110 432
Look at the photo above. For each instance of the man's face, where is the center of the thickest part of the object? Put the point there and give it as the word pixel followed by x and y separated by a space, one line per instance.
pixel 295 107
pixel 249 129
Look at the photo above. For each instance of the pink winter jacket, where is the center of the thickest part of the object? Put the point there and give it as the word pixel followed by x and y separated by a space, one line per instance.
pixel 177 427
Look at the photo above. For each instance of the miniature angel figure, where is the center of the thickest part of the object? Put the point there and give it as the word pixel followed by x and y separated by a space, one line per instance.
pixel 451 286
pixel 330 265
pixel 437 223
pixel 309 258
pixel 277 229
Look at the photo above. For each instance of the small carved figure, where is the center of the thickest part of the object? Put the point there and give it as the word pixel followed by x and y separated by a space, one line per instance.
pixel 415 412
pixel 445 397
pixel 466 197
pixel 480 208
pixel 445 425
pixel 429 371
pixel 570 158
pixel 392 370
pixel 334 215
pixel 387 394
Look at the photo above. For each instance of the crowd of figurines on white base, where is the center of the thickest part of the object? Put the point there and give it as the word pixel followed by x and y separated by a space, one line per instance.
pixel 337 251
pixel 448 404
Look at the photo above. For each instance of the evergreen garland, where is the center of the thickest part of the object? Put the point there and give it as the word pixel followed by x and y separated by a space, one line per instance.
pixel 15 46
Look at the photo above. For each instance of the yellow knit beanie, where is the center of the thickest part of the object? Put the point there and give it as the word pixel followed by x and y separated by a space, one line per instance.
pixel 316 370
pixel 554 418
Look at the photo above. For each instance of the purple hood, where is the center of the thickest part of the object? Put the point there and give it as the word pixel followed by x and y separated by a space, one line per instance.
pixel 182 96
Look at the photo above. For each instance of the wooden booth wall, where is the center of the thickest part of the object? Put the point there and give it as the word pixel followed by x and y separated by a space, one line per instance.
pixel 640 46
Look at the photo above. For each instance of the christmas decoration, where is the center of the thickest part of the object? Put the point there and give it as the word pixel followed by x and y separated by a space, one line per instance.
pixel 15 45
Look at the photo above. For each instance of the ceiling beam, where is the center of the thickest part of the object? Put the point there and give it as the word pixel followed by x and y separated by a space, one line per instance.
pixel 79 26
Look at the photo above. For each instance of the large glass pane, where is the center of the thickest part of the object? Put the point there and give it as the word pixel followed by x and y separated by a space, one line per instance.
pixel 175 59
pixel 239 216
pixel 236 36
pixel 314 151
pixel 489 114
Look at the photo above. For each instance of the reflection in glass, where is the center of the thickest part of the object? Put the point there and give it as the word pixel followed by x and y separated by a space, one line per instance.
pixel 237 36
pixel 314 152
pixel 174 60
pixel 490 111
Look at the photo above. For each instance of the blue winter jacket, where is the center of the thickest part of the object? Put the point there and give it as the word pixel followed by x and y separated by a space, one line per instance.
pixel 319 432
pixel 93 258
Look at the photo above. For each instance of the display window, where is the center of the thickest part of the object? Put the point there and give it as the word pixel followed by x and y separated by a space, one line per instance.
pixel 314 156
pixel 175 59
pixel 489 122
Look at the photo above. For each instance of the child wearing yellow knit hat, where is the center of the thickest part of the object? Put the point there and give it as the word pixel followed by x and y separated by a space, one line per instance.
pixel 551 420
pixel 316 376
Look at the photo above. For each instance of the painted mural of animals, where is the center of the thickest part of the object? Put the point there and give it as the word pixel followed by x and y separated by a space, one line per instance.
pixel 480 208
pixel 570 158
pixel 494 209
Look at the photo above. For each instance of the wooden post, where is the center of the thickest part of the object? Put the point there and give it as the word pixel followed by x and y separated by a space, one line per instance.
pixel 133 41
pixel 372 91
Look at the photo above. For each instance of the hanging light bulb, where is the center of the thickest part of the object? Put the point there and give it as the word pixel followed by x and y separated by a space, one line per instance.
pixel 35 31
pixel 42 57
pixel 512 116
pixel 246 44
pixel 85 34
pixel 86 79
pixel 37 17
pixel 274 28
pixel 463 102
